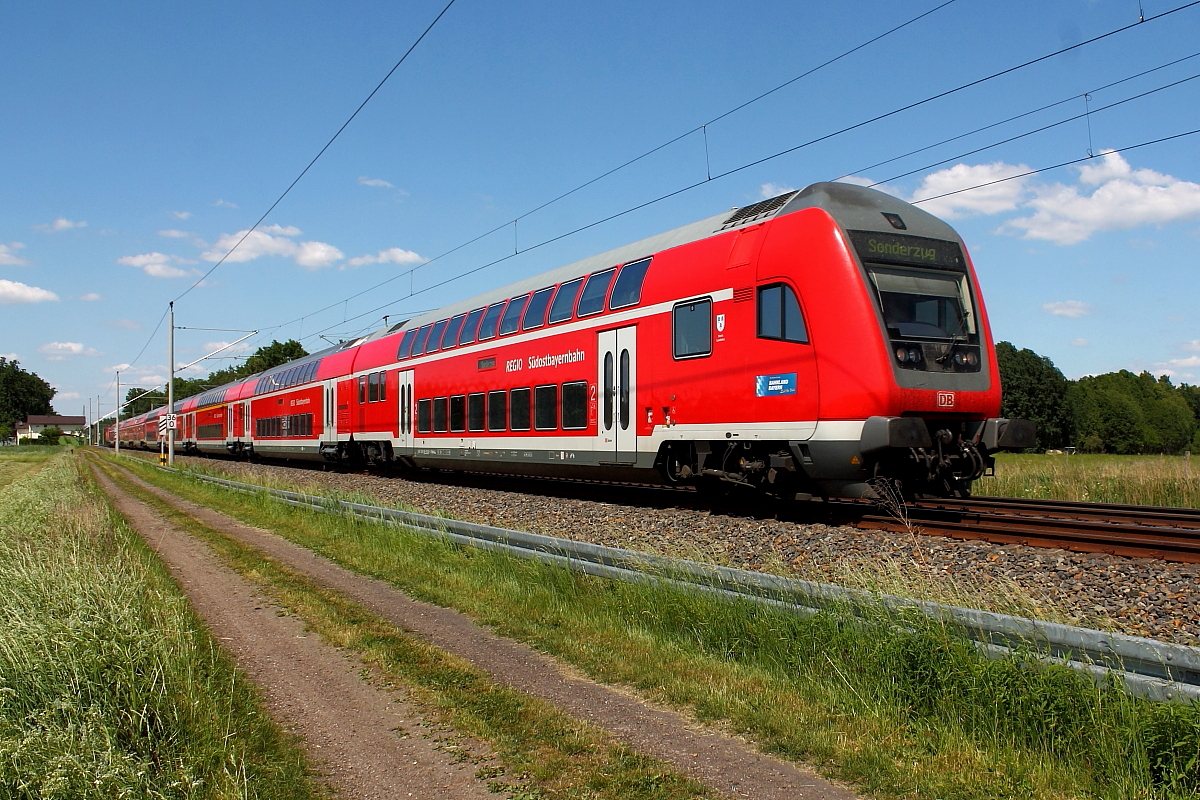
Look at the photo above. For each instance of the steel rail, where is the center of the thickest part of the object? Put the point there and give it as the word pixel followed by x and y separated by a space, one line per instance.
pixel 1160 671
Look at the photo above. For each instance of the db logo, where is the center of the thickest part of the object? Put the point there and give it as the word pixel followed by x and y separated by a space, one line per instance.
pixel 945 399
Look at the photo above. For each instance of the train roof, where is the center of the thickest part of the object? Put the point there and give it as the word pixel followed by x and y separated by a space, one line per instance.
pixel 850 205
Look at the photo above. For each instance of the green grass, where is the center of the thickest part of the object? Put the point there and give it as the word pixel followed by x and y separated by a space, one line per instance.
pixel 109 685
pixel 1131 480
pixel 542 751
pixel 899 707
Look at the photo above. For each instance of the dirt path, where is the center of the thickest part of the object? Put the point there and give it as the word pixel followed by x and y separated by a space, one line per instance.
pixel 357 734
pixel 722 762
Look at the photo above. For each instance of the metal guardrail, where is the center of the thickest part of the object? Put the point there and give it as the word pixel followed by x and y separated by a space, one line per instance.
pixel 1148 668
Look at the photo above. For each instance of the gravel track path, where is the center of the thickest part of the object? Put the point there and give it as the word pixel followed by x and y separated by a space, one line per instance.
pixel 1141 597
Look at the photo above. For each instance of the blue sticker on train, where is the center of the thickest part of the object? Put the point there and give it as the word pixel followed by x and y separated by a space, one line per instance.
pixel 767 385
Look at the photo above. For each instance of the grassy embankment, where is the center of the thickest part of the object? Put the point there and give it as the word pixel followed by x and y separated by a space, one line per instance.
pixel 1131 480
pixel 900 707
pixel 109 686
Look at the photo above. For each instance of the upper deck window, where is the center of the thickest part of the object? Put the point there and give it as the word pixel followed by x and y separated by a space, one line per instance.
pixel 435 337
pixel 491 320
pixel 692 323
pixel 422 336
pixel 564 301
pixel 592 299
pixel 535 312
pixel 779 314
pixel 406 343
pixel 512 316
pixel 627 291
pixel 470 326
pixel 450 337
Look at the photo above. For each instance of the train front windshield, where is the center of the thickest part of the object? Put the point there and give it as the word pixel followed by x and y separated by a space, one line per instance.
pixel 924 304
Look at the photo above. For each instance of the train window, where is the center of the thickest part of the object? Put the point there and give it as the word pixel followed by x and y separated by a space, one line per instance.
pixel 627 291
pixel 383 385
pixel 439 415
pixel 625 383
pixel 435 336
pixel 518 410
pixel 475 411
pixel 545 407
pixel 609 390
pixel 497 408
pixel 373 387
pixel 406 344
pixel 424 416
pixel 535 312
pixel 564 301
pixel 592 299
pixel 574 406
pixel 693 328
pixel 362 389
pixel 779 314
pixel 512 316
pixel 458 413
pixel 422 337
pixel 450 337
pixel 487 328
pixel 468 329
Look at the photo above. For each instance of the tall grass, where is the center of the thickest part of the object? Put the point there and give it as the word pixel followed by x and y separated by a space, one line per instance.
pixel 901 705
pixel 109 686
pixel 1131 480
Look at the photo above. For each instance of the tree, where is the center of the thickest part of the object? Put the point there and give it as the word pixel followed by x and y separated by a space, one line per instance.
pixel 272 355
pixel 6 431
pixel 1034 389
pixel 22 393
pixel 49 435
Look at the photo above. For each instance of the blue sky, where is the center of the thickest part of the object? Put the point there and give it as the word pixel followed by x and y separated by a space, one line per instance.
pixel 140 140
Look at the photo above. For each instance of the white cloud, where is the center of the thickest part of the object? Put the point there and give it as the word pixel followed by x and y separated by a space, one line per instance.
pixel 172 233
pixel 12 293
pixel 273 240
pixel 225 203
pixel 181 214
pixel 1191 347
pixel 66 396
pixel 156 265
pixel 9 257
pixel 91 297
pixel 1079 342
pixel 856 180
pixel 10 356
pixel 994 199
pixel 124 324
pixel 365 181
pixel 769 190
pixel 392 255
pixel 1067 308
pixel 57 351
pixel 116 368
pixel 60 224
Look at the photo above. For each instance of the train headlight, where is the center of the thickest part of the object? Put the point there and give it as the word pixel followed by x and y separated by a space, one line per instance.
pixel 960 358
pixel 972 359
pixel 909 354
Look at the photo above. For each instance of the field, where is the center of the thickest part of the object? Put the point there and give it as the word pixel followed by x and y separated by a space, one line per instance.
pixel 1132 480
pixel 899 707
pixel 109 685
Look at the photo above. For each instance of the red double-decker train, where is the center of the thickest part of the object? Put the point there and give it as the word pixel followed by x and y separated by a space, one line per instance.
pixel 814 344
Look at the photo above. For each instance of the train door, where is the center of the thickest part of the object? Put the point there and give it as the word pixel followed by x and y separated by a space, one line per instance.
pixel 616 426
pixel 239 421
pixel 404 389
pixel 329 412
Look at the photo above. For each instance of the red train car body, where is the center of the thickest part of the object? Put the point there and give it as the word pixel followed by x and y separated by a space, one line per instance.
pixel 814 344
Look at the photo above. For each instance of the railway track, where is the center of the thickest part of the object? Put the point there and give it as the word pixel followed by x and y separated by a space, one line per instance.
pixel 1171 534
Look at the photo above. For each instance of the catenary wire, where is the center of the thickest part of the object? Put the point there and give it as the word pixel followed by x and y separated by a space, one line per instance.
pixel 727 173
pixel 332 139
pixel 628 163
